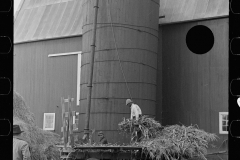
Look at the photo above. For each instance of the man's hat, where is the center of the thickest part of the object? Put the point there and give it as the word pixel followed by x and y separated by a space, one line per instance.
pixel 16 129
pixel 100 133
pixel 128 101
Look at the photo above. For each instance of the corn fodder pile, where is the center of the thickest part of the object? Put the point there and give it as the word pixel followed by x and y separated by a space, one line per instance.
pixel 41 143
pixel 21 110
pixel 148 127
pixel 171 142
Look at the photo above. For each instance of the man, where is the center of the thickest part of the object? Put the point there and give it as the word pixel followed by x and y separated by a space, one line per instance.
pixel 20 147
pixel 136 112
pixel 102 140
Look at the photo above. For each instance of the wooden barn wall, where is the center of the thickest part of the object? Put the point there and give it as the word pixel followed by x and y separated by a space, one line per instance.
pixel 43 80
pixel 194 87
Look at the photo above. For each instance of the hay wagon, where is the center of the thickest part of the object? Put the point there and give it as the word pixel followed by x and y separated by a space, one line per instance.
pixel 102 152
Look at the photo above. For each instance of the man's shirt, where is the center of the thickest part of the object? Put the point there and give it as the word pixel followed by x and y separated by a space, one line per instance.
pixel 20 150
pixel 135 111
pixel 103 140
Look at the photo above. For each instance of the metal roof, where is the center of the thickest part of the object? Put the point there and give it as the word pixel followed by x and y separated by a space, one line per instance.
pixel 185 10
pixel 48 19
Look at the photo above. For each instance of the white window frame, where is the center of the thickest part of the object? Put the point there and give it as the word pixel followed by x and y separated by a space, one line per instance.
pixel 220 122
pixel 78 79
pixel 79 53
pixel 64 54
pixel 74 118
pixel 53 121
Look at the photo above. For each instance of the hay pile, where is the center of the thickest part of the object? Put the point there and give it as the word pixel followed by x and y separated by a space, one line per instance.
pixel 21 110
pixel 41 143
pixel 170 142
pixel 148 127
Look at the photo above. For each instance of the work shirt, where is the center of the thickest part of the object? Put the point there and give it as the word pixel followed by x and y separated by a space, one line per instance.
pixel 20 150
pixel 135 111
pixel 103 140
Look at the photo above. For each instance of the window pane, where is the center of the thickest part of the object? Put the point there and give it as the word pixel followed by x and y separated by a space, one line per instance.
pixel 224 117
pixel 227 117
pixel 224 123
pixel 224 128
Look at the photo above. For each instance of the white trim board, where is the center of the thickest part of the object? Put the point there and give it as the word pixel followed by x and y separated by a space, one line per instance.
pixel 78 79
pixel 79 54
pixel 64 54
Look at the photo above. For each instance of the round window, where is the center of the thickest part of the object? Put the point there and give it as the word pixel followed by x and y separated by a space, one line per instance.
pixel 200 39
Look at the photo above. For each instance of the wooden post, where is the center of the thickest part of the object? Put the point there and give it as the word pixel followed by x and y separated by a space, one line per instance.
pixel 67 100
pixel 64 122
pixel 86 129
pixel 70 121
pixel 67 129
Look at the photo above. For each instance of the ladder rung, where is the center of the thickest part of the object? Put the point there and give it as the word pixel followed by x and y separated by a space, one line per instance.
pixel 66 100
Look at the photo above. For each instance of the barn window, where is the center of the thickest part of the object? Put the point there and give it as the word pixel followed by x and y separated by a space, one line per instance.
pixel 49 121
pixel 223 122
pixel 200 39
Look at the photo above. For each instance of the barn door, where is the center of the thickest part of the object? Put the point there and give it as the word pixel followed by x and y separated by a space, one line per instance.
pixel 63 80
pixel 67 68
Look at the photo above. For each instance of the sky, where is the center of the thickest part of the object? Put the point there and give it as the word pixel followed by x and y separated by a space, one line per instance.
pixel 16 3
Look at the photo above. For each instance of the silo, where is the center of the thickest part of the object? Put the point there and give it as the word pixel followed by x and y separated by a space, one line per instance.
pixel 135 27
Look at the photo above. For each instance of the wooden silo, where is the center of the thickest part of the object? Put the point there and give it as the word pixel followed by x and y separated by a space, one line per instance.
pixel 135 27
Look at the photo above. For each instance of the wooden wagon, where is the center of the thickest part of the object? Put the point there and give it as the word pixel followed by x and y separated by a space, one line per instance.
pixel 102 152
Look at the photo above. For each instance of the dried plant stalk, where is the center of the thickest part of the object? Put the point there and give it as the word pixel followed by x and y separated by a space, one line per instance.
pixel 169 142
pixel 41 143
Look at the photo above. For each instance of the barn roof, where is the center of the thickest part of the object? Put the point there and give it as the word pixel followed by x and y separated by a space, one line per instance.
pixel 49 19
pixel 185 10
pixel 46 19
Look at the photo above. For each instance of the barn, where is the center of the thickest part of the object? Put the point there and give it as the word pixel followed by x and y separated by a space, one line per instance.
pixel 164 76
pixel 194 87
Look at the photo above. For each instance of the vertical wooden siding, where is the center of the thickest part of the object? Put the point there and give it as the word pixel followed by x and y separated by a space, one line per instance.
pixel 43 80
pixel 194 87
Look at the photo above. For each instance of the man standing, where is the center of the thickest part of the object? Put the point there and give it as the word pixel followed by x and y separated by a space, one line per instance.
pixel 135 109
pixel 102 140
pixel 20 147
